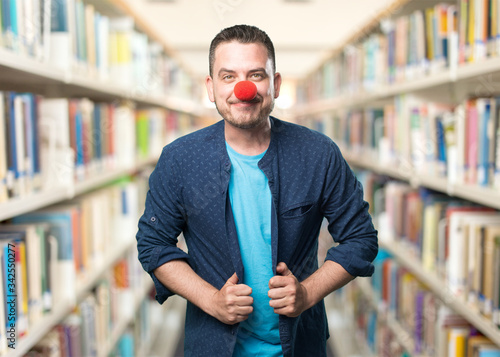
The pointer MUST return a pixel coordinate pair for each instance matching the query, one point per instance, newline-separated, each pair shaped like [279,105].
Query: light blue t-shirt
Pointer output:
[250,198]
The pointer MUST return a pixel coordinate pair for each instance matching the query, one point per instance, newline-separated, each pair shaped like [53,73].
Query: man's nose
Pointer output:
[245,90]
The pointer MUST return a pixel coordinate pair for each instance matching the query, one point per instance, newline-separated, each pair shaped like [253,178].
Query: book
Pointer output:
[485,133]
[90,36]
[31,140]
[73,329]
[496,283]
[489,265]
[457,342]
[488,352]
[3,151]
[33,237]
[88,328]
[61,228]
[56,156]
[10,272]
[60,38]
[472,142]
[463,40]
[121,71]
[474,342]
[458,242]
[102,46]
[430,235]
[13,135]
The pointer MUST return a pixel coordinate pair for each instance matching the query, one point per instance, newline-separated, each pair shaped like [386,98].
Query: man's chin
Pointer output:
[245,120]
[244,124]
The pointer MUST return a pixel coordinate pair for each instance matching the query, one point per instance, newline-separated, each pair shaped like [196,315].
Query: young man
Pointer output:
[249,194]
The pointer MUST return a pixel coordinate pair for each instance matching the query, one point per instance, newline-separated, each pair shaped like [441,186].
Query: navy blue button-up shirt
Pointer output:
[309,181]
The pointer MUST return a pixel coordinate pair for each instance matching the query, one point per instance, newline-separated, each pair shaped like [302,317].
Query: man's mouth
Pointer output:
[253,101]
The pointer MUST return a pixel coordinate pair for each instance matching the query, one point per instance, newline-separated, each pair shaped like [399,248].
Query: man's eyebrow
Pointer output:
[260,69]
[225,70]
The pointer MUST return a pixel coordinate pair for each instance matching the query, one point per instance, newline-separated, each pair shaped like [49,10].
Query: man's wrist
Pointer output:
[307,297]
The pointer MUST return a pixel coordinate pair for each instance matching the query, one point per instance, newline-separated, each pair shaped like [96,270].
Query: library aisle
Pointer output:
[91,91]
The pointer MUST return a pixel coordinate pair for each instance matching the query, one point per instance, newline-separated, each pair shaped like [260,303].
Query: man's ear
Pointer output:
[209,83]
[277,84]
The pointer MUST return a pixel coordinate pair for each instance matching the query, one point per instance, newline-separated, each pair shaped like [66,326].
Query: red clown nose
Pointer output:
[245,90]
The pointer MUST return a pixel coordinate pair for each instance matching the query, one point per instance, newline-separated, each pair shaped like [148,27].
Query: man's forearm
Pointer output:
[231,304]
[328,278]
[181,279]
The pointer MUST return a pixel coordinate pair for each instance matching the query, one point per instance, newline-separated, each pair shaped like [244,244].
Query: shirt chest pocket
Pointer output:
[298,224]
[298,210]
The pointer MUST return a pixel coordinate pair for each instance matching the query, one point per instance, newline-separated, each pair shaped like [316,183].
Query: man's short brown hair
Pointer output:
[242,34]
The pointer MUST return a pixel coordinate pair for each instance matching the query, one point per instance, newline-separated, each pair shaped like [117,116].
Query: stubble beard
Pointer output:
[251,123]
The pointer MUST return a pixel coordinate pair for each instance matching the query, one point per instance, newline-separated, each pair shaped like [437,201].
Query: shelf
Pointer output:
[438,287]
[39,330]
[122,324]
[447,85]
[344,339]
[37,200]
[171,330]
[23,73]
[49,321]
[134,10]
[482,195]
[107,177]
[472,70]
[400,333]
[86,282]
[367,162]
[16,68]
[145,347]
[33,201]
[402,336]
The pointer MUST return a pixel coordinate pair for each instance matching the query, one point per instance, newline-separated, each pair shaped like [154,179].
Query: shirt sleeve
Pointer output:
[162,222]
[349,222]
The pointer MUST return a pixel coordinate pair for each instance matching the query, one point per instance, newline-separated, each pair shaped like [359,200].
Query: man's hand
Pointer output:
[232,303]
[288,296]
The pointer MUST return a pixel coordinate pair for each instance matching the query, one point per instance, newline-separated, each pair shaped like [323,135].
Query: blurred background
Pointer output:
[92,90]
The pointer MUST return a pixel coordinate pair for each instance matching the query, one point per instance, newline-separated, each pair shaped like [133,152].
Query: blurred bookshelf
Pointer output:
[89,96]
[412,100]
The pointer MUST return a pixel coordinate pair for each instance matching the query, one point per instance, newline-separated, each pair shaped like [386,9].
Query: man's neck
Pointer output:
[249,142]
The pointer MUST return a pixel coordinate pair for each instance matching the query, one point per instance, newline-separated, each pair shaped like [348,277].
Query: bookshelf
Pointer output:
[416,61]
[20,205]
[161,96]
[436,285]
[122,324]
[402,336]
[344,340]
[84,286]
[449,84]
[171,328]
[23,73]
[482,195]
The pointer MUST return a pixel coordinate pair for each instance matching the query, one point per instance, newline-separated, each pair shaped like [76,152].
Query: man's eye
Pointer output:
[257,75]
[227,76]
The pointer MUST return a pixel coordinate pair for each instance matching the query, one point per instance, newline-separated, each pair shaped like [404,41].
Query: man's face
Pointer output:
[235,62]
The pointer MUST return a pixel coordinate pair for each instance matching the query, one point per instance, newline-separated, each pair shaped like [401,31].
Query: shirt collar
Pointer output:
[220,143]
